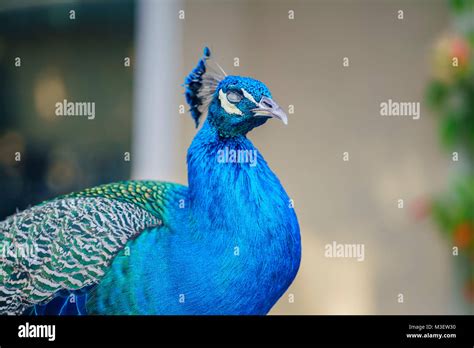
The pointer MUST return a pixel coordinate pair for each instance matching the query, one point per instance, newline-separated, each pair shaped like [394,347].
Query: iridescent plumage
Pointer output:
[228,243]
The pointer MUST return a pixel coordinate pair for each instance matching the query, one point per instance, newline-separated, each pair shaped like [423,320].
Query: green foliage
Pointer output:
[455,207]
[449,131]
[436,94]
[462,5]
[450,95]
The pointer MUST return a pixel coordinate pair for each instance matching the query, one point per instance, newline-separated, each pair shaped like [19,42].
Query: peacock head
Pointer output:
[236,104]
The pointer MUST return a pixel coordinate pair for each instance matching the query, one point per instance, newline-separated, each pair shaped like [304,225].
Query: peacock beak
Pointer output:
[268,108]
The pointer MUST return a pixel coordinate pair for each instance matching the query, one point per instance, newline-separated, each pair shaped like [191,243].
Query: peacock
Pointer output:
[227,244]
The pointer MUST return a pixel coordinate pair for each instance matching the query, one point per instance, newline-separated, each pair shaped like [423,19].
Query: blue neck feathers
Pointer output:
[243,216]
[234,249]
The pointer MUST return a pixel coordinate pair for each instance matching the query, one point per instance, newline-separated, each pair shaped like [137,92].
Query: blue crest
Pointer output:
[200,86]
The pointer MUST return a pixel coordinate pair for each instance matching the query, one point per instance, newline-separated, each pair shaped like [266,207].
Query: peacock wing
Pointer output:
[69,243]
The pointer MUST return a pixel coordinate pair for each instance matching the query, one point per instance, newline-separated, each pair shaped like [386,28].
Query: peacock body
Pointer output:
[228,243]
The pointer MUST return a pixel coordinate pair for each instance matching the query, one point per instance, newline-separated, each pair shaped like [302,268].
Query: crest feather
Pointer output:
[200,86]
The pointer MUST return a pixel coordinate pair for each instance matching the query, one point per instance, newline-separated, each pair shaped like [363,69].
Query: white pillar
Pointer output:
[155,112]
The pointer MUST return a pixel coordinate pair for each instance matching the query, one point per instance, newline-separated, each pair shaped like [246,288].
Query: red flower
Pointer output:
[463,235]
[460,50]
[451,58]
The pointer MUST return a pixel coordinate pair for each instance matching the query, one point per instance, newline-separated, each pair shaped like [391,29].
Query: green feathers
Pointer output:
[76,237]
[148,195]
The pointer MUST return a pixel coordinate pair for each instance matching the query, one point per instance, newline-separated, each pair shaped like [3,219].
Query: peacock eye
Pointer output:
[234,97]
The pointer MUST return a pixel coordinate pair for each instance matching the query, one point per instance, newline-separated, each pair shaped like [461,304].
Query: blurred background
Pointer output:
[130,58]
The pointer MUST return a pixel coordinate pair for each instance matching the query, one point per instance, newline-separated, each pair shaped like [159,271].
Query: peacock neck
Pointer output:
[220,173]
[243,219]
[231,187]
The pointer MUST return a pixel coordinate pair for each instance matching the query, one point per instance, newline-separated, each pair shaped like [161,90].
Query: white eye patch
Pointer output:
[249,96]
[227,105]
